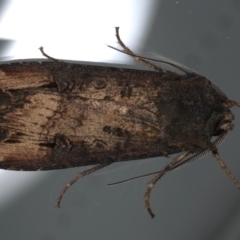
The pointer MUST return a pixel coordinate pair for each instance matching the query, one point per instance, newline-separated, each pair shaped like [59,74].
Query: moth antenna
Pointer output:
[178,66]
[47,56]
[221,93]
[201,154]
[136,58]
[181,164]
[80,175]
[133,178]
[143,60]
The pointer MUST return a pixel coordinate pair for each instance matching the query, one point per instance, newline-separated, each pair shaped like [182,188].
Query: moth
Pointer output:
[56,115]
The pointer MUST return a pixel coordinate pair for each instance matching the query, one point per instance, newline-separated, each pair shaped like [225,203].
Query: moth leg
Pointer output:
[47,56]
[158,177]
[136,58]
[225,168]
[80,175]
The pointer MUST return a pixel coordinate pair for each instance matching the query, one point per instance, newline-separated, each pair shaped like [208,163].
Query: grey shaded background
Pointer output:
[198,201]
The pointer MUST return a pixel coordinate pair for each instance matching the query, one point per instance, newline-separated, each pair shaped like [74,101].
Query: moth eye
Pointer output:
[218,132]
[100,84]
[221,126]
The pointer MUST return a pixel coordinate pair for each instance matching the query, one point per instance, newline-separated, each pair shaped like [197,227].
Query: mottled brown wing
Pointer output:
[59,115]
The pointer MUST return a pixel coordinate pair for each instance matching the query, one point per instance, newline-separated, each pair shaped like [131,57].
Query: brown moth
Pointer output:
[56,115]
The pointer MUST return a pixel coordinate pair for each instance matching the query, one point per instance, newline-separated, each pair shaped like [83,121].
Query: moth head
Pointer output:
[225,124]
